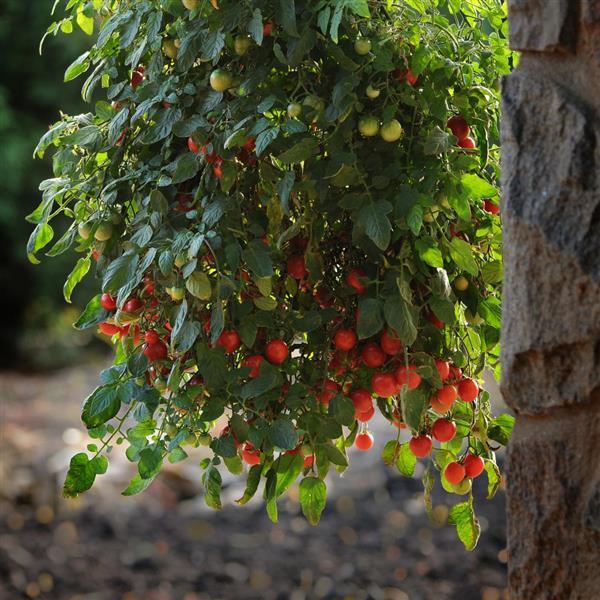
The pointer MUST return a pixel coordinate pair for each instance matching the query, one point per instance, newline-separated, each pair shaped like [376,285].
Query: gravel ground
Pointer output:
[374,540]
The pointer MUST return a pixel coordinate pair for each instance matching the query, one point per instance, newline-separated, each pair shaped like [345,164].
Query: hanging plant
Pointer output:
[291,211]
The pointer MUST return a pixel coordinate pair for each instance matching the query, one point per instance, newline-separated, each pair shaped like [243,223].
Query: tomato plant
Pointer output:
[274,197]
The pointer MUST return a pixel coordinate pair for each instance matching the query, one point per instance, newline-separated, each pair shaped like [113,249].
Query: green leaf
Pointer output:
[92,314]
[257,257]
[288,17]
[283,434]
[399,317]
[443,309]
[150,462]
[137,485]
[491,311]
[77,67]
[82,266]
[82,473]
[370,319]
[212,482]
[335,455]
[438,142]
[41,236]
[414,404]
[255,27]
[467,526]
[100,406]
[313,496]
[478,188]
[198,285]
[494,477]
[406,461]
[251,485]
[342,410]
[187,166]
[268,379]
[500,429]
[119,272]
[288,467]
[429,252]
[462,254]
[299,152]
[373,219]
[224,446]
[390,452]
[264,139]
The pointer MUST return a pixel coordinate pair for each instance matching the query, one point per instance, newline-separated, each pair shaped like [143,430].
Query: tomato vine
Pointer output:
[291,209]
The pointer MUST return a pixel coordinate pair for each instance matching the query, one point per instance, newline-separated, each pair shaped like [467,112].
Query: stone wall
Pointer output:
[551,330]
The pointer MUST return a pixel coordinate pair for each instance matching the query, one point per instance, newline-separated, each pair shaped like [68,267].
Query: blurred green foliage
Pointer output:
[31,95]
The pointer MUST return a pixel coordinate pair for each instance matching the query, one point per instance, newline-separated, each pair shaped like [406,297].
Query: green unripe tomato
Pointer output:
[241,45]
[205,439]
[368,126]
[104,232]
[294,110]
[177,293]
[190,4]
[220,80]
[464,487]
[461,283]
[116,219]
[392,131]
[169,48]
[431,213]
[84,230]
[372,92]
[362,46]
[442,200]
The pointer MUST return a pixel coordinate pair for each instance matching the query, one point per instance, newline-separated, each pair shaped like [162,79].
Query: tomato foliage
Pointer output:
[290,208]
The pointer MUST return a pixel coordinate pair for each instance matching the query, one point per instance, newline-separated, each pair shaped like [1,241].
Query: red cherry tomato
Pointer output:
[345,339]
[108,302]
[109,328]
[468,390]
[250,455]
[372,355]
[296,267]
[384,385]
[156,351]
[308,461]
[469,143]
[443,430]
[354,279]
[329,389]
[490,207]
[137,77]
[365,417]
[362,400]
[133,305]
[193,147]
[420,446]
[230,341]
[151,337]
[459,127]
[253,363]
[390,343]
[408,377]
[454,473]
[446,395]
[276,352]
[364,441]
[474,466]
[443,368]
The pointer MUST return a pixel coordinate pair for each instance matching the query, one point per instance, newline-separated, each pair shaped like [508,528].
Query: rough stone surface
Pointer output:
[542,24]
[551,345]
[553,551]
[551,318]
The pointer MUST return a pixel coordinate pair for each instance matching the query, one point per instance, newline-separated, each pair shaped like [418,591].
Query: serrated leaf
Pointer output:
[92,314]
[373,219]
[406,461]
[283,434]
[462,254]
[198,284]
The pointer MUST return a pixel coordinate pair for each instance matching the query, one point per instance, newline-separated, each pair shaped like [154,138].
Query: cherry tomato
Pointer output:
[276,352]
[364,441]
[420,446]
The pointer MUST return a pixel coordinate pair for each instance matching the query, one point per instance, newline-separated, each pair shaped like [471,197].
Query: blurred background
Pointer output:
[374,541]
